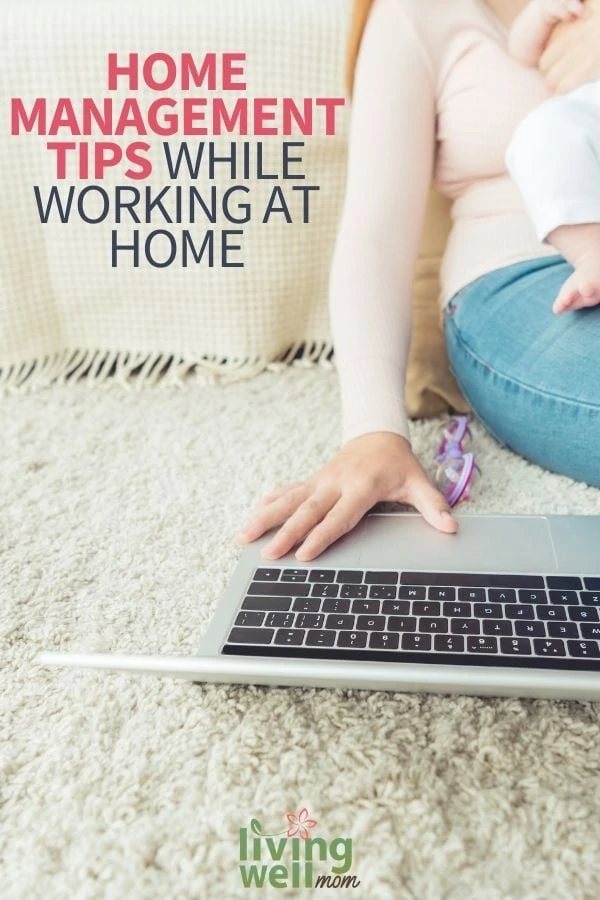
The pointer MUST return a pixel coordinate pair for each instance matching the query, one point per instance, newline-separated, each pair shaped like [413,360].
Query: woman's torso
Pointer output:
[481,96]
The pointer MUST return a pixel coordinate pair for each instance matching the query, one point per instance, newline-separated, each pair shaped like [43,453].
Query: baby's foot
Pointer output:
[582,288]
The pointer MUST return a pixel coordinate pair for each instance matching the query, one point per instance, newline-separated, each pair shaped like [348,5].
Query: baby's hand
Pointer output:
[554,11]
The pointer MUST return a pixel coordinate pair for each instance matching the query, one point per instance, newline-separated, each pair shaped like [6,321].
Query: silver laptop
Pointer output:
[509,606]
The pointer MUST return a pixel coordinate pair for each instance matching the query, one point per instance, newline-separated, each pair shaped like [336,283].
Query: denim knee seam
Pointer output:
[514,381]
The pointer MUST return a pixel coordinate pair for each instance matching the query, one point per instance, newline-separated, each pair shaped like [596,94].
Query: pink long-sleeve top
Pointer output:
[436,97]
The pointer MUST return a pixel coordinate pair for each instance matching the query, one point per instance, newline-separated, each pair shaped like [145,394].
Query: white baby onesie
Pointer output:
[554,158]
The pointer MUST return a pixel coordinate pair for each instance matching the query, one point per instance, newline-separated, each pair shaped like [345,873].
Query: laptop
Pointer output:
[509,606]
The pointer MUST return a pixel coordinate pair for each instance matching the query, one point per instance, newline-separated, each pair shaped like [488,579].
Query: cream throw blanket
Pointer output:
[63,309]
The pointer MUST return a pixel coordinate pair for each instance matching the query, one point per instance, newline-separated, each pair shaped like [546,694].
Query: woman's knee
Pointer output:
[547,423]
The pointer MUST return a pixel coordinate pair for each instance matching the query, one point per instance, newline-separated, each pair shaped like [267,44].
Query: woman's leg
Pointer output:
[532,377]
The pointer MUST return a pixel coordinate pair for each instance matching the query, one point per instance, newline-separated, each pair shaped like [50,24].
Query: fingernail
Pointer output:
[446,515]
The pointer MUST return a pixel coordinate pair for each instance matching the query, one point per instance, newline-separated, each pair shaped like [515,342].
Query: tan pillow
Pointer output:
[430,386]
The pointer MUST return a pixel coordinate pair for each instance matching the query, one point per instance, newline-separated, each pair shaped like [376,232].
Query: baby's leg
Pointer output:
[554,158]
[580,246]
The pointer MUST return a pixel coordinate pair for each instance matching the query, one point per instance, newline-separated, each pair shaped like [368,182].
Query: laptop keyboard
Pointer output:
[531,621]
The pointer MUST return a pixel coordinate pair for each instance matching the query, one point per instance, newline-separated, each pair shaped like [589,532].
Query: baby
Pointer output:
[554,158]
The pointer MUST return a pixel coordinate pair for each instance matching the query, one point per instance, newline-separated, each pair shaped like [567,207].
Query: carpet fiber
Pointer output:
[118,510]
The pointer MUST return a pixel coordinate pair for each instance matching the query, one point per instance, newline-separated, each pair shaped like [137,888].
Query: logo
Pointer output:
[288,858]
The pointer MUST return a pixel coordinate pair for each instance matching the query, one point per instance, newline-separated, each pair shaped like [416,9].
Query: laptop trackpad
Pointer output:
[484,543]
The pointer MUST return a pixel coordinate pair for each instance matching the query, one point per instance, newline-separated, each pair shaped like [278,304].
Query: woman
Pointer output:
[435,94]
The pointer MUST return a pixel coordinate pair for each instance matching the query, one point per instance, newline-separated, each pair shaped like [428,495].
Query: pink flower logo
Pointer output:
[300,824]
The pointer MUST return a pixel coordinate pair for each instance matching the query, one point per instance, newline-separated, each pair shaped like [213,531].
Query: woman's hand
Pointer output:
[316,512]
[572,57]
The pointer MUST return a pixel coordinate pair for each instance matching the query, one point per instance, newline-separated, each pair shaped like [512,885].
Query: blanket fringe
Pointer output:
[142,369]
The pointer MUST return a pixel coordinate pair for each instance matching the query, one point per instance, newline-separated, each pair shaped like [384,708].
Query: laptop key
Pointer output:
[441,593]
[307,605]
[325,590]
[533,597]
[354,590]
[395,607]
[567,598]
[564,582]
[279,620]
[583,648]
[590,598]
[382,591]
[348,576]
[517,581]
[251,635]
[321,575]
[402,623]
[449,643]
[436,625]
[457,609]
[582,613]
[550,613]
[406,592]
[488,610]
[248,618]
[294,575]
[309,620]
[371,623]
[426,608]
[519,611]
[340,623]
[293,636]
[590,630]
[465,626]
[592,584]
[502,595]
[352,639]
[335,606]
[549,648]
[366,606]
[384,640]
[416,642]
[498,627]
[268,604]
[266,575]
[515,646]
[563,630]
[473,595]
[381,577]
[530,629]
[319,638]
[482,645]
[278,589]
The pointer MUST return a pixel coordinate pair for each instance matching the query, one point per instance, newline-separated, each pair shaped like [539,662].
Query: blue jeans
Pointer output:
[530,376]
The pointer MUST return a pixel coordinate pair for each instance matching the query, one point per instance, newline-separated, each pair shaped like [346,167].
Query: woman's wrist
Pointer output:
[380,436]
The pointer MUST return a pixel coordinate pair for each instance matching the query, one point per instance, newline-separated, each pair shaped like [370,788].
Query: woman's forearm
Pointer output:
[391,145]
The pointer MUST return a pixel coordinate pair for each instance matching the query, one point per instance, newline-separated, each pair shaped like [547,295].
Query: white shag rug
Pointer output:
[117,524]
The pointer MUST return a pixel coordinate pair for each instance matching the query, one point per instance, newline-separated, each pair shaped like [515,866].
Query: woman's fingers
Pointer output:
[431,503]
[308,514]
[271,514]
[340,519]
[277,493]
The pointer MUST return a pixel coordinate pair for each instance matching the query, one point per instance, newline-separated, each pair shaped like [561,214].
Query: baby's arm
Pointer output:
[531,30]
